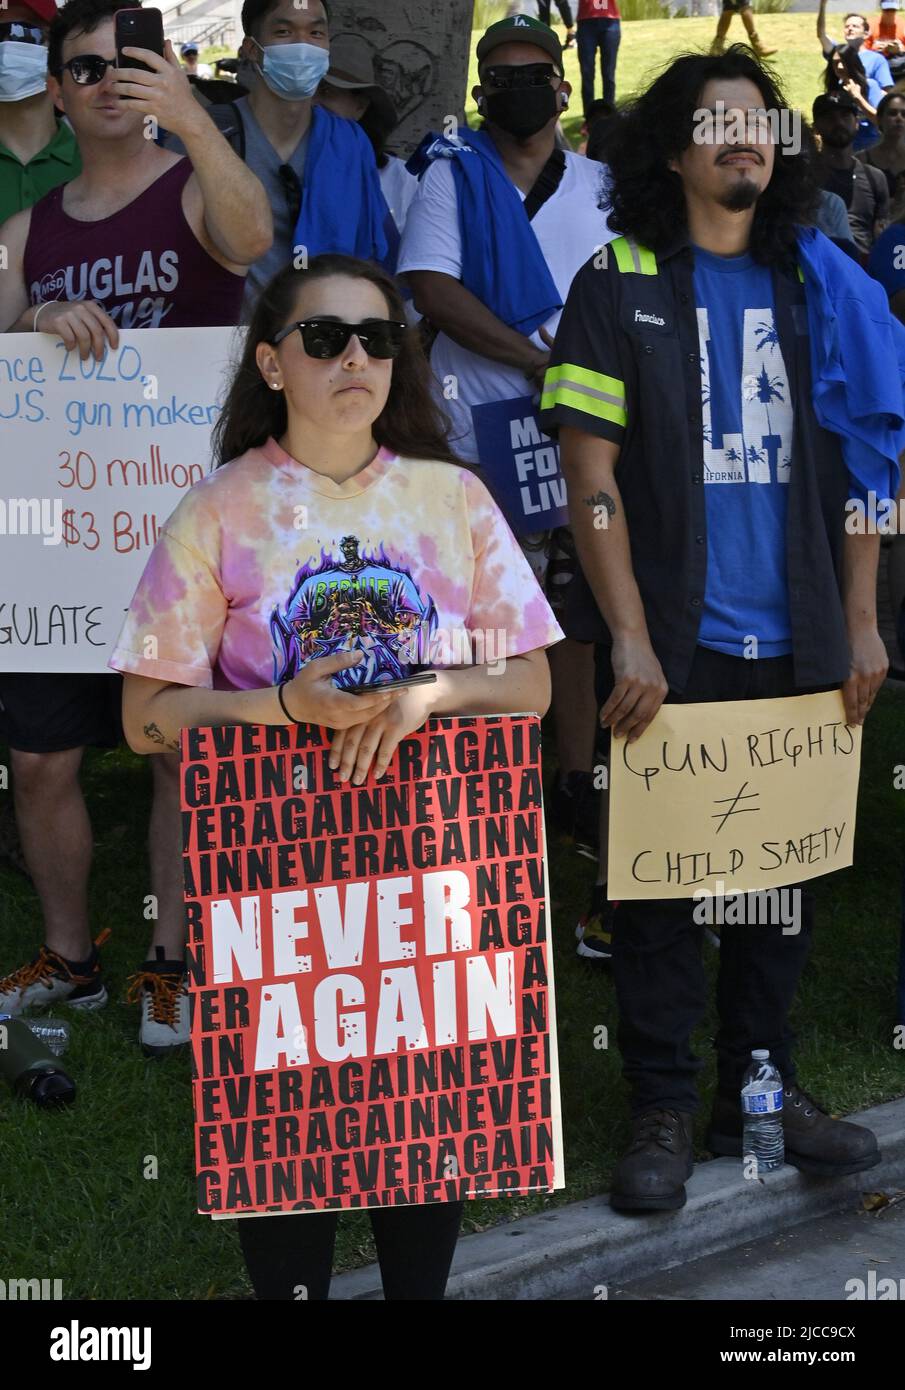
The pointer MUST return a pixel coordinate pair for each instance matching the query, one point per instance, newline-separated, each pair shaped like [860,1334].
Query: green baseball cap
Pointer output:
[521,28]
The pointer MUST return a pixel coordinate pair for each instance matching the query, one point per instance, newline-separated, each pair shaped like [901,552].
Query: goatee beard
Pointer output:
[742,197]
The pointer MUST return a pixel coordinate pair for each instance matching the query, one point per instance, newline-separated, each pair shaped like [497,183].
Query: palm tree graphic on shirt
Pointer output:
[767,336]
[768,453]
[768,388]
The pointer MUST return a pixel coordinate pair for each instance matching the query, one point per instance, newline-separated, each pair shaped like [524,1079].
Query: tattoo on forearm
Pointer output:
[153,732]
[602,499]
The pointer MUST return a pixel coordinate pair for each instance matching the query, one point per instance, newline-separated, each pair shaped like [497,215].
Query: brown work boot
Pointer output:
[814,1141]
[652,1172]
[759,48]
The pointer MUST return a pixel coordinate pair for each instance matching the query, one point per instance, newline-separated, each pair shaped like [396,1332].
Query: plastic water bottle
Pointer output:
[762,1113]
[30,1067]
[53,1032]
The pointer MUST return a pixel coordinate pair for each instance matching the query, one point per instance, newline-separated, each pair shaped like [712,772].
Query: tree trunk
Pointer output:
[421,54]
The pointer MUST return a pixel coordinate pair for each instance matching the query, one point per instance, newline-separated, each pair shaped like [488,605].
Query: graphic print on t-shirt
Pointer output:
[747,439]
[748,421]
[362,602]
[142,284]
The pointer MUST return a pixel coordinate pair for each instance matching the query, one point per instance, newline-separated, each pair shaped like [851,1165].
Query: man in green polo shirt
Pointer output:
[37,152]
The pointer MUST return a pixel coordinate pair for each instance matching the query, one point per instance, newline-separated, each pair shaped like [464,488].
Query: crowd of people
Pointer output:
[623,299]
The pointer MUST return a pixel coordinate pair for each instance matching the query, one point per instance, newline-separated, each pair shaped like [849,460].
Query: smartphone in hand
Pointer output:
[140,28]
[425,678]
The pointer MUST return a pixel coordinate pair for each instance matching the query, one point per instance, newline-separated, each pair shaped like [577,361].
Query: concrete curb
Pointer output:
[572,1250]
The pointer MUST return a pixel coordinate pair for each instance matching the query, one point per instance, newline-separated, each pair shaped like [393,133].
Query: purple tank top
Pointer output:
[143,265]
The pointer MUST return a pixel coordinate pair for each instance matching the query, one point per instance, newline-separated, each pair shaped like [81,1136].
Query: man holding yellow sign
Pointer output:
[714,420]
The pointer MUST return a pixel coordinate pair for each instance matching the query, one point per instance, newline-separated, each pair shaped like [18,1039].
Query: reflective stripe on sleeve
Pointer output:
[594,393]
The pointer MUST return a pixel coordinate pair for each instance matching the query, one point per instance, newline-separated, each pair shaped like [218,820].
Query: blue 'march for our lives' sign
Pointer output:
[522,465]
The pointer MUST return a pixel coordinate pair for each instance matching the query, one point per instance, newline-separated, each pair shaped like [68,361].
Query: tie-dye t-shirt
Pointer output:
[265,565]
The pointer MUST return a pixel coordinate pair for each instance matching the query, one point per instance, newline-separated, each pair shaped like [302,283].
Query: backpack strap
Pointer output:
[548,180]
[228,120]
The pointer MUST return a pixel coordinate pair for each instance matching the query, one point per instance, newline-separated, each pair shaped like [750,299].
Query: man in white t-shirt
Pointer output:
[489,372]
[476,357]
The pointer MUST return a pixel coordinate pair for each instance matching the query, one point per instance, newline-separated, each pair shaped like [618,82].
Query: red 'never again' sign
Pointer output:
[371,976]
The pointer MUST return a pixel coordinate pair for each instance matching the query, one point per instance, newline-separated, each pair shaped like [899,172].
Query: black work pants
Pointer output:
[658,970]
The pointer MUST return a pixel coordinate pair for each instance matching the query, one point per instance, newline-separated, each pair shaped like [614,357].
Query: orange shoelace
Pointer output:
[46,965]
[163,989]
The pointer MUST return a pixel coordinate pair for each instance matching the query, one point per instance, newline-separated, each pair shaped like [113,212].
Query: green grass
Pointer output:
[77,1203]
[649,44]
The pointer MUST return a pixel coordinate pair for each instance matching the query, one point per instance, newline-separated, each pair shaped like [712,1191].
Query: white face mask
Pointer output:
[23,70]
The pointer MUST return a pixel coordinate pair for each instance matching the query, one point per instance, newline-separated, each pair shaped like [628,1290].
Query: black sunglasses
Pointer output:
[325,338]
[519,76]
[292,188]
[89,68]
[22,33]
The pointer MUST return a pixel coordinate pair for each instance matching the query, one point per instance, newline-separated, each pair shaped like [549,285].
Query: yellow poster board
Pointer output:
[746,794]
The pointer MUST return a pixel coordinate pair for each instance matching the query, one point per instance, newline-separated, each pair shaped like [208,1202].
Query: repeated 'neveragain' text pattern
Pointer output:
[370,970]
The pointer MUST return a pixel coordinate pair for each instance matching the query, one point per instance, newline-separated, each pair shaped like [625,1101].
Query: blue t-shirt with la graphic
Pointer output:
[748,421]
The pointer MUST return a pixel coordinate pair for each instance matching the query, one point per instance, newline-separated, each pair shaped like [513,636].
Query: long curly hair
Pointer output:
[411,423]
[648,199]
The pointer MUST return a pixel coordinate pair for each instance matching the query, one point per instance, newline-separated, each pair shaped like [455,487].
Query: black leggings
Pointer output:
[291,1256]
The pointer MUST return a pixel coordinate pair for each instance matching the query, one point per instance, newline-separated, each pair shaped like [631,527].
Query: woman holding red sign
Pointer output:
[336,557]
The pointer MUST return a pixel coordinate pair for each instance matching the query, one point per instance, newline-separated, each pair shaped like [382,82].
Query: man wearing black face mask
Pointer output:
[521,95]
[500,225]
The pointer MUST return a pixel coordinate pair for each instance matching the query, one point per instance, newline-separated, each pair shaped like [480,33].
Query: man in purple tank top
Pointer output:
[142,238]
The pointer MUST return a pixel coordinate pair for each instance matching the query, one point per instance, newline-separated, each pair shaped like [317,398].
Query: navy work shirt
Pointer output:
[626,367]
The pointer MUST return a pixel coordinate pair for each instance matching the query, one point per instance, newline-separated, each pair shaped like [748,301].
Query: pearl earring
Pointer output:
[275,386]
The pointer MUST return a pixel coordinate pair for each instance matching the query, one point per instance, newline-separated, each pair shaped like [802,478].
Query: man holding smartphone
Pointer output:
[186,230]
[142,238]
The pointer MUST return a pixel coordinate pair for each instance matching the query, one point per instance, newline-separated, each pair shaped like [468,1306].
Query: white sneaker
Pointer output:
[162,990]
[50,979]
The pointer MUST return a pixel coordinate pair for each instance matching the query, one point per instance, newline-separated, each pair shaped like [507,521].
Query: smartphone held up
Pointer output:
[138,28]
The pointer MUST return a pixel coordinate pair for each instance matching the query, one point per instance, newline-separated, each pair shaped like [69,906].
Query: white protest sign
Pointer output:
[96,456]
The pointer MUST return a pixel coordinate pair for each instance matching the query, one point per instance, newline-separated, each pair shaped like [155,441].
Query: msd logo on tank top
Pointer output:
[138,286]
